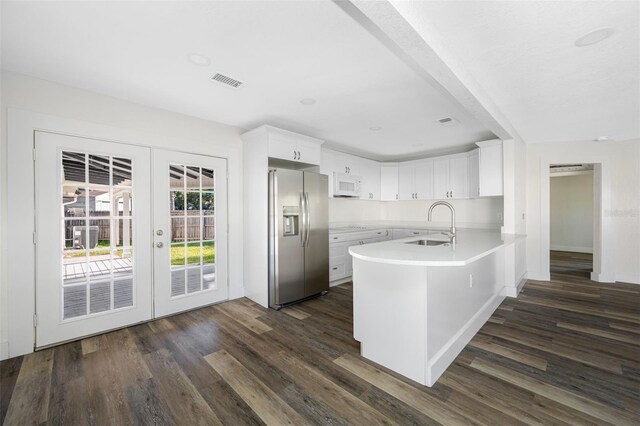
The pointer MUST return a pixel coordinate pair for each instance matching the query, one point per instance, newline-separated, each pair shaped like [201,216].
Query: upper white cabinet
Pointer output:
[389,183]
[370,173]
[473,174]
[474,165]
[450,177]
[415,180]
[286,145]
[490,176]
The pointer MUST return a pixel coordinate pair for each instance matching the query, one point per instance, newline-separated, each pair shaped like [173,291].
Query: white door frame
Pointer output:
[20,262]
[603,253]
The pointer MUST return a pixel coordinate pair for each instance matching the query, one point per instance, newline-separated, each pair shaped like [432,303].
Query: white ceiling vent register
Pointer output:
[448,121]
[224,79]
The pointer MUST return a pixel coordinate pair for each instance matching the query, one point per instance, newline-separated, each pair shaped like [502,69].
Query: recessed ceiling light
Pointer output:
[602,139]
[375,128]
[198,59]
[593,37]
[308,101]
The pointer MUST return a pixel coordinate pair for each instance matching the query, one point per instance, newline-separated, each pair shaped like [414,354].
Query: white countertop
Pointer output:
[471,245]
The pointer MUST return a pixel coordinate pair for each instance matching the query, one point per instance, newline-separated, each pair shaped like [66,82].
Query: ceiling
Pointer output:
[283,51]
[522,54]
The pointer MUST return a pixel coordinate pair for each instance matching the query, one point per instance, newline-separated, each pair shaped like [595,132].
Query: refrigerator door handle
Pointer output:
[307,218]
[303,219]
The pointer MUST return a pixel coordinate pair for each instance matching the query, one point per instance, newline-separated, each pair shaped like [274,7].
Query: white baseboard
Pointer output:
[575,249]
[513,291]
[4,349]
[456,344]
[538,276]
[602,278]
[340,281]
[630,279]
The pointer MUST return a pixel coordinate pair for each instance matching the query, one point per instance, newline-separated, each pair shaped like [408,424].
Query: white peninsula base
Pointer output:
[415,319]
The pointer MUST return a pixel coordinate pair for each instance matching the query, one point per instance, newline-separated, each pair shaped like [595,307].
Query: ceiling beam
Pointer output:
[401,28]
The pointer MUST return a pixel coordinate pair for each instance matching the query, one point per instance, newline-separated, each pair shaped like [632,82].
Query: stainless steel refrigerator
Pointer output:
[298,236]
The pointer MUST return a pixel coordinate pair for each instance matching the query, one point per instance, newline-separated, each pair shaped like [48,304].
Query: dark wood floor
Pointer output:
[563,352]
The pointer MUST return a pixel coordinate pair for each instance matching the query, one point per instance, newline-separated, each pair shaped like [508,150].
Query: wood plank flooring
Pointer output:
[564,352]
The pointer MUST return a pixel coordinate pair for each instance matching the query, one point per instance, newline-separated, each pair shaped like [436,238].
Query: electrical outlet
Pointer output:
[470,280]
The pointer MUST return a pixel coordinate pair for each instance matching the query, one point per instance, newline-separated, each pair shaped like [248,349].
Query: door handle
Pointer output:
[303,218]
[306,203]
[159,245]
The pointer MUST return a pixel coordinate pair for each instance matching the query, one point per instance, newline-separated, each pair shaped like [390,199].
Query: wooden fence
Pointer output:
[192,228]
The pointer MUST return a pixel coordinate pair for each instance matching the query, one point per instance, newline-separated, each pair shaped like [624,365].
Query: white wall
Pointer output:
[477,213]
[620,176]
[164,127]
[572,213]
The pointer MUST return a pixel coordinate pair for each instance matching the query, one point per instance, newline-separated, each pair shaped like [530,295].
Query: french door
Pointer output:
[190,231]
[113,249]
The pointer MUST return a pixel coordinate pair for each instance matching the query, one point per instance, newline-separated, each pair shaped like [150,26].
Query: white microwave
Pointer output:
[346,185]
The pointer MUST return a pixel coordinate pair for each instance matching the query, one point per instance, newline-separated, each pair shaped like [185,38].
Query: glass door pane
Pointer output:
[192,207]
[92,272]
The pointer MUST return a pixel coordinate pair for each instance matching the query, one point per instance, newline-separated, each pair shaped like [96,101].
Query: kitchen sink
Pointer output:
[428,242]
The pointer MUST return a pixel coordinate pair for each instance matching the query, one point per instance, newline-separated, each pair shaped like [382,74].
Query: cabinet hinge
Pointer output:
[34,237]
[35,320]
[33,154]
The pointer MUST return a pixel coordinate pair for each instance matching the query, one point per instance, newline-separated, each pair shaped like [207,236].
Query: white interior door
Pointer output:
[190,231]
[93,254]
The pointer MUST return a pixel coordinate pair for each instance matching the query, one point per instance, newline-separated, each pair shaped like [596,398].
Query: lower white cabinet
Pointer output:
[340,261]
[404,233]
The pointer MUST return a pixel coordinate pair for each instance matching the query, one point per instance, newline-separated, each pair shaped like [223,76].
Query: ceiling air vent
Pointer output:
[221,78]
[447,121]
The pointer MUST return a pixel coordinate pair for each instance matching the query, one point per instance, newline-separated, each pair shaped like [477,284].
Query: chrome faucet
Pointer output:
[453,218]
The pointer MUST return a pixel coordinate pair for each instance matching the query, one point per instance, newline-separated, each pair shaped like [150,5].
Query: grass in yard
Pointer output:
[193,253]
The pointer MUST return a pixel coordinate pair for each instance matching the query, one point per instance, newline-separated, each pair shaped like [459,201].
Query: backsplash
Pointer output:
[472,213]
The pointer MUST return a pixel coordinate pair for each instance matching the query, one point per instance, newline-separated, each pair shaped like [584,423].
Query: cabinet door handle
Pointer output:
[294,155]
[416,195]
[396,196]
[334,268]
[451,194]
[299,155]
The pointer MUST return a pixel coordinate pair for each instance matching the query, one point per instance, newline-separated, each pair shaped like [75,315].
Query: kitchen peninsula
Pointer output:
[418,301]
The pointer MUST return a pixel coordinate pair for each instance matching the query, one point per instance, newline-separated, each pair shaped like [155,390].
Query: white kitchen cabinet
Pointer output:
[474,170]
[340,261]
[290,146]
[415,181]
[404,233]
[406,182]
[370,173]
[389,183]
[423,178]
[450,177]
[490,174]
